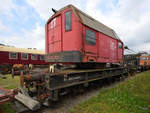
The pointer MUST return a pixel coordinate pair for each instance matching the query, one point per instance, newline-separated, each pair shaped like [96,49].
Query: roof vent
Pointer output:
[54,10]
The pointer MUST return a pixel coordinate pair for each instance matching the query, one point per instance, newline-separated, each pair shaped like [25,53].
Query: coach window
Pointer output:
[120,45]
[13,55]
[24,56]
[90,37]
[68,21]
[41,57]
[34,57]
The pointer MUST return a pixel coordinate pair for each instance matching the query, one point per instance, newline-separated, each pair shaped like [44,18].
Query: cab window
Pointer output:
[120,45]
[90,37]
[68,21]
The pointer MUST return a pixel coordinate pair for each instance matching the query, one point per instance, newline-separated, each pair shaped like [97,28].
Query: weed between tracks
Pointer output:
[131,96]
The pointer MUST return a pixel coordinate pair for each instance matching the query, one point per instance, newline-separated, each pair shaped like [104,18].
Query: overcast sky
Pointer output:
[22,22]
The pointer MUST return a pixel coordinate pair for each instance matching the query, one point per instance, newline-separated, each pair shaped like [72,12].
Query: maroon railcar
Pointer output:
[13,55]
[74,37]
[10,56]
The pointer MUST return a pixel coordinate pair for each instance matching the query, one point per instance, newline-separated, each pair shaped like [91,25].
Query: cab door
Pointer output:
[54,35]
[90,45]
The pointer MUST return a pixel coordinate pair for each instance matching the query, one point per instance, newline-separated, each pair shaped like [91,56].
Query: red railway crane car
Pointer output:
[74,37]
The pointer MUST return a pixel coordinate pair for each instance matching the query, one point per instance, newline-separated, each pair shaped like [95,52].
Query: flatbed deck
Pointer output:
[71,71]
[50,86]
[67,78]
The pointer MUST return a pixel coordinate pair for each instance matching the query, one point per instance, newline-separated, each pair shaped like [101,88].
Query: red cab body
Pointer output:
[73,36]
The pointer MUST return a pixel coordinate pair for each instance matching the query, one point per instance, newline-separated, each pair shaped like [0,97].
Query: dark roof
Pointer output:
[90,22]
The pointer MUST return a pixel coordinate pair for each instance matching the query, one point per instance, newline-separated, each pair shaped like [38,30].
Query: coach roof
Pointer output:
[90,22]
[21,50]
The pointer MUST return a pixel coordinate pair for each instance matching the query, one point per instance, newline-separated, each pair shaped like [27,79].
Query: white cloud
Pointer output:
[6,6]
[29,39]
[2,27]
[43,7]
[36,37]
[129,18]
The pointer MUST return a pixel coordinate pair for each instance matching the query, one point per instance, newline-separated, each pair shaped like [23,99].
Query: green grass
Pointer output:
[7,108]
[131,96]
[8,83]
